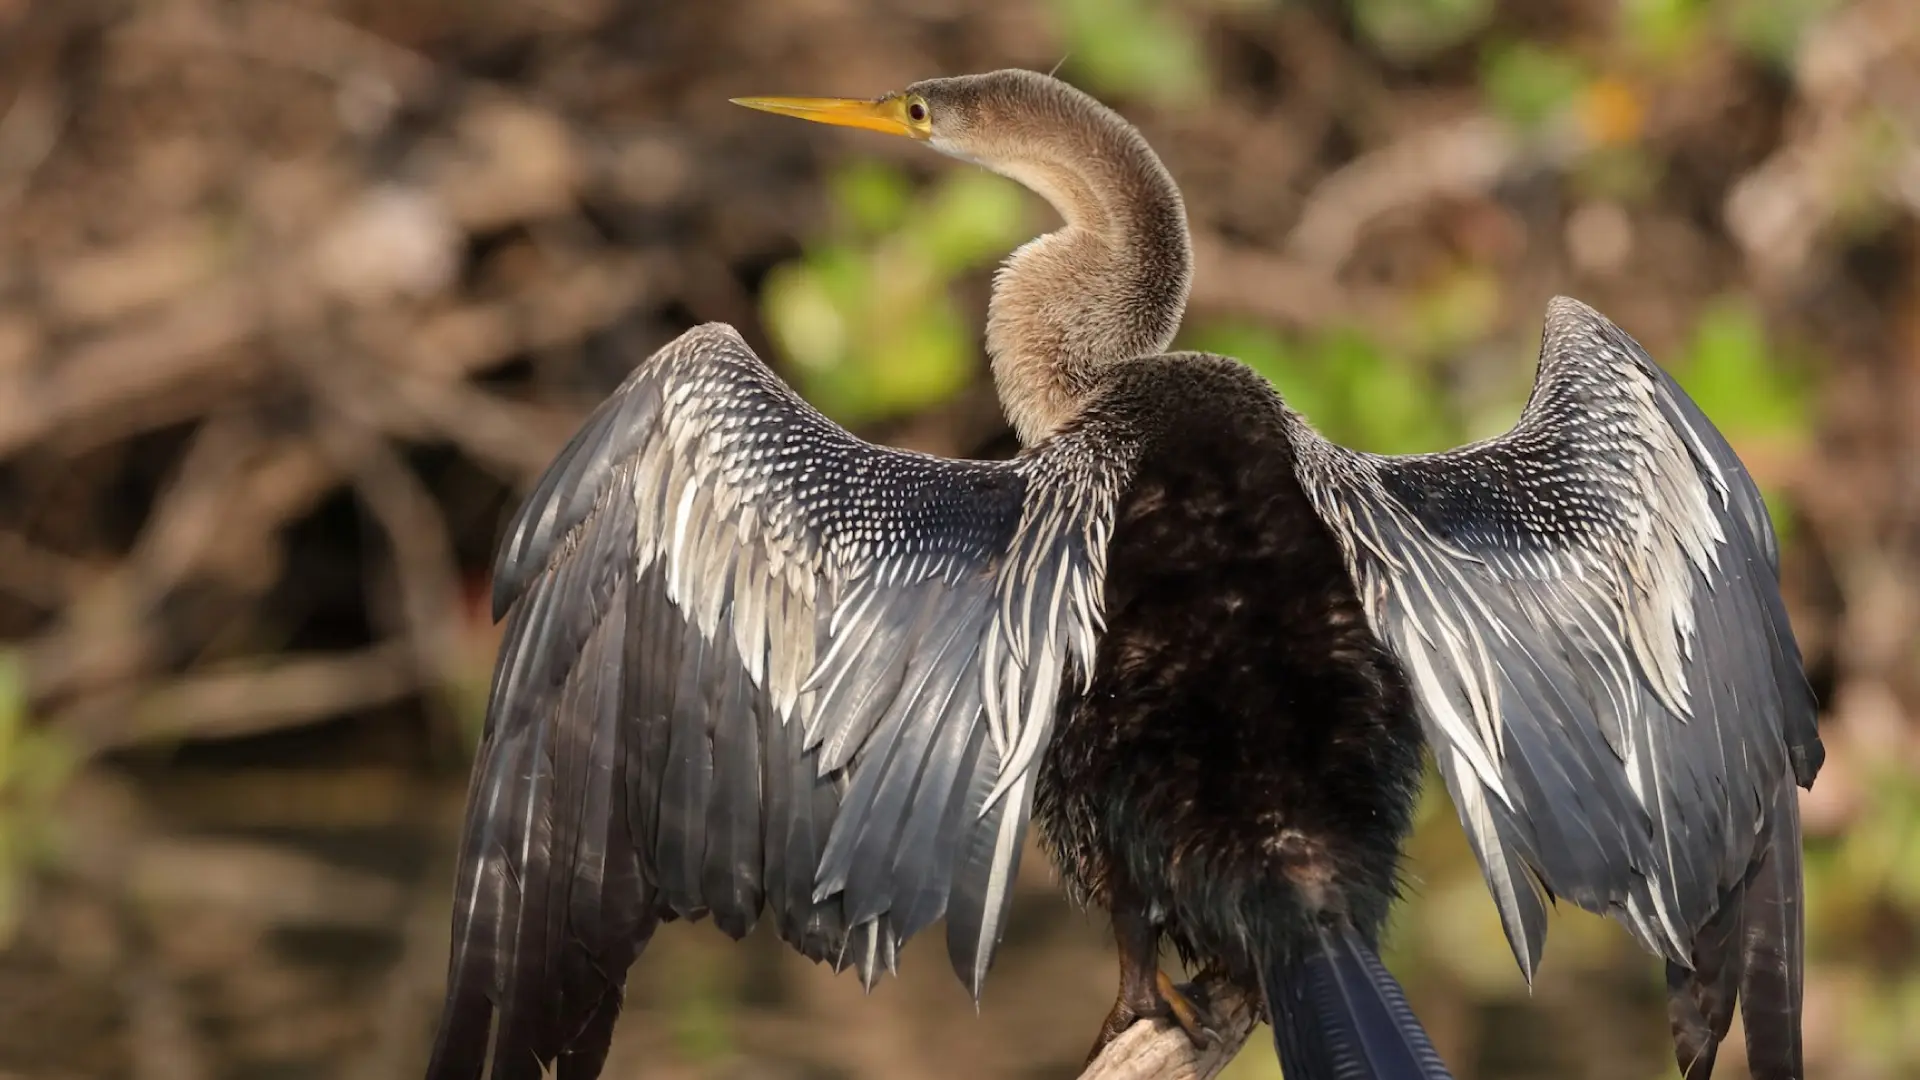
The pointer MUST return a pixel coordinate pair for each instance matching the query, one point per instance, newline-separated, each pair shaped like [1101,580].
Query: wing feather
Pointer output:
[732,879]
[751,662]
[1588,612]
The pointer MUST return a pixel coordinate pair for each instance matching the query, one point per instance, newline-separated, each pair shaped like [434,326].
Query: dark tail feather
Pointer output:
[1700,1000]
[1771,938]
[1751,947]
[1339,1015]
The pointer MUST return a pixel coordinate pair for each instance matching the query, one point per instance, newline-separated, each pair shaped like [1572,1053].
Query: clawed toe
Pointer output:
[1192,1016]
[1181,1004]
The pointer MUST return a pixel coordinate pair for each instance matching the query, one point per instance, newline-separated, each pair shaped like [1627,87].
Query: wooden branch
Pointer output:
[1158,1050]
[425,572]
[135,378]
[38,575]
[1237,279]
[244,698]
[1465,158]
[225,527]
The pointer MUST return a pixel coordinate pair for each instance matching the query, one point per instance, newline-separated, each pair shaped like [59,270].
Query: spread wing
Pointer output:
[1587,609]
[754,662]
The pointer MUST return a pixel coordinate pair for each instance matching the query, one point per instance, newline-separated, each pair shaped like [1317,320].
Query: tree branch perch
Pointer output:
[1158,1050]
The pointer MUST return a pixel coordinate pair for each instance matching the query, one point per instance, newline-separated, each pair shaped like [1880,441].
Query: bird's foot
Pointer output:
[1189,1010]
[1163,1001]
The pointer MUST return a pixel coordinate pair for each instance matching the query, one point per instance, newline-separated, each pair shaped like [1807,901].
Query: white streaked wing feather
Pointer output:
[1587,546]
[803,565]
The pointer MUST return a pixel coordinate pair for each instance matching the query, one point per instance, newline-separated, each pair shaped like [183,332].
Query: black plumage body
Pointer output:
[1246,758]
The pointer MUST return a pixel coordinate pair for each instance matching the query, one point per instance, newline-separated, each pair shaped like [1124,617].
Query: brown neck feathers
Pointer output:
[1107,287]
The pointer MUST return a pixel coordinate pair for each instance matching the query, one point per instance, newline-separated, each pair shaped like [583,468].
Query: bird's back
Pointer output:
[1239,702]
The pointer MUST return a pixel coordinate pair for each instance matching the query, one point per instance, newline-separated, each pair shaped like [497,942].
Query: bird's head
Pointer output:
[995,119]
[1110,285]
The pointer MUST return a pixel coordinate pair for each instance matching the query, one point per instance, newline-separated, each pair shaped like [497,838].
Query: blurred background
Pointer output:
[297,296]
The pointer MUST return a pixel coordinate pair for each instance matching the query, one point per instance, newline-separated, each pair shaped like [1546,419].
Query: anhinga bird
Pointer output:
[753,662]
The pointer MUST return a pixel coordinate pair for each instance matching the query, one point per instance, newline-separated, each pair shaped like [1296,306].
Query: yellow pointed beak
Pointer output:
[887,115]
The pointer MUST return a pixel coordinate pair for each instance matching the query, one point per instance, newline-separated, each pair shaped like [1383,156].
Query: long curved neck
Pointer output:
[1107,287]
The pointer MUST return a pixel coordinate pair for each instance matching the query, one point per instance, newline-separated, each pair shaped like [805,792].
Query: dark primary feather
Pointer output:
[751,662]
[1588,610]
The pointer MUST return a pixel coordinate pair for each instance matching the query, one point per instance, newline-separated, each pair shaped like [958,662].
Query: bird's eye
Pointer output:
[917,111]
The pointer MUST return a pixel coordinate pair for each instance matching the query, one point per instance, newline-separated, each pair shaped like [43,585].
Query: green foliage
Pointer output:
[33,767]
[1670,31]
[1344,383]
[1876,856]
[1752,392]
[1530,84]
[1773,29]
[702,1019]
[1625,174]
[1377,390]
[1413,29]
[1456,311]
[867,316]
[1663,29]
[1135,48]
[1746,386]
[1863,895]
[873,197]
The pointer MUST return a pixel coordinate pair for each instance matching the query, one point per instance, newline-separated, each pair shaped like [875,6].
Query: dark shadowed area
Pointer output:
[298,296]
